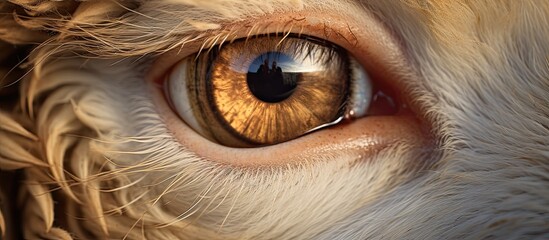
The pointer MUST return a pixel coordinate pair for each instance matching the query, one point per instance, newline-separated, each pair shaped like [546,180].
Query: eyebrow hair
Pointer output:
[128,28]
[118,29]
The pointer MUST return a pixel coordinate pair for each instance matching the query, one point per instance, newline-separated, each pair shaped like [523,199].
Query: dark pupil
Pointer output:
[269,78]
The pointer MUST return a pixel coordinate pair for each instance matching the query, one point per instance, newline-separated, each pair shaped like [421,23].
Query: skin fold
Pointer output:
[91,149]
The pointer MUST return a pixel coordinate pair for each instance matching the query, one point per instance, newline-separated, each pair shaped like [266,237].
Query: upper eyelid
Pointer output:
[329,27]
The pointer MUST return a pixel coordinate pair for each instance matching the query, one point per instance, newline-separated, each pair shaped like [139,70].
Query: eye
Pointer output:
[370,106]
[269,89]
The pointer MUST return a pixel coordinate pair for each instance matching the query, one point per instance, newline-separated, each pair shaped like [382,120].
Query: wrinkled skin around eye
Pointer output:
[89,148]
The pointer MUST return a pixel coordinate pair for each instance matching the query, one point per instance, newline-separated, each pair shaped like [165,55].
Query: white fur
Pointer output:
[90,145]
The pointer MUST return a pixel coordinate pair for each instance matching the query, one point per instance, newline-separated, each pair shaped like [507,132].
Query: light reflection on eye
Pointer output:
[269,89]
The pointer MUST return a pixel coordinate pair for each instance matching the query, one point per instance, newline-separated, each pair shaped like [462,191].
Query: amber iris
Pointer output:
[266,90]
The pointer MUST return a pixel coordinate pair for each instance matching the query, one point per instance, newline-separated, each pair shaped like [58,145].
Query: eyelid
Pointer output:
[375,48]
[354,140]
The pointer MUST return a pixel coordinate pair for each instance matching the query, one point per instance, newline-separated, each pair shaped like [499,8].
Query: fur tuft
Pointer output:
[90,157]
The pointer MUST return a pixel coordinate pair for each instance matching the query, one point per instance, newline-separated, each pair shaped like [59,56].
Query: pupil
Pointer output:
[270,78]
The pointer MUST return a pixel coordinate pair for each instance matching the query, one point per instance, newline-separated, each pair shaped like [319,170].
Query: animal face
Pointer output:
[171,120]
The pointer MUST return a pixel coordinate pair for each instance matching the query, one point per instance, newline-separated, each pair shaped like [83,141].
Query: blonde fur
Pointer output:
[92,159]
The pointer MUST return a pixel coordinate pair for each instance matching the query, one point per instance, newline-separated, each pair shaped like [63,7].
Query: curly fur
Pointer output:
[85,155]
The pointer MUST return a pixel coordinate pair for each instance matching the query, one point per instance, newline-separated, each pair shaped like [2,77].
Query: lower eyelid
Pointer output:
[362,137]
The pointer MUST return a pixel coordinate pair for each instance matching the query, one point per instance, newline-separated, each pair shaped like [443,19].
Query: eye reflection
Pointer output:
[269,82]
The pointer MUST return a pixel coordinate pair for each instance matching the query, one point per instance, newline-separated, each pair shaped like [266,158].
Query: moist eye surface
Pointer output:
[265,90]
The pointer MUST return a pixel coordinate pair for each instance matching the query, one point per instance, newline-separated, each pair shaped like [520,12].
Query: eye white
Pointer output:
[361,91]
[177,92]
